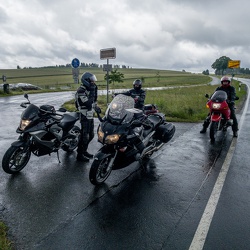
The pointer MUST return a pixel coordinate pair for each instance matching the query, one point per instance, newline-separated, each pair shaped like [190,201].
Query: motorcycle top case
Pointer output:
[150,109]
[165,132]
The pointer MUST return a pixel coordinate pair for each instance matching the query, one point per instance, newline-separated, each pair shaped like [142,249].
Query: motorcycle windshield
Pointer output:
[30,112]
[219,96]
[118,109]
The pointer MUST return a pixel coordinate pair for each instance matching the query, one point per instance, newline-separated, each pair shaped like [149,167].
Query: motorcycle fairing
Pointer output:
[101,155]
[216,117]
[31,112]
[67,122]
[37,127]
[19,143]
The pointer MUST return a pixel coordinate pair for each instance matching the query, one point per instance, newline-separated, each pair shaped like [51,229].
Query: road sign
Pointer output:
[107,67]
[108,53]
[234,64]
[75,63]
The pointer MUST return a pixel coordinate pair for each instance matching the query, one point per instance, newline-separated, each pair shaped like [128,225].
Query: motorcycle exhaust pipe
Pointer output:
[154,149]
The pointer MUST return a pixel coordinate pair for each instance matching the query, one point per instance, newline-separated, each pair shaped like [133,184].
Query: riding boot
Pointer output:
[235,134]
[81,157]
[87,154]
[204,130]
[205,125]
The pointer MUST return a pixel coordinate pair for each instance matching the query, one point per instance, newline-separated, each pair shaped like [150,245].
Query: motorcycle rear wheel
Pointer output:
[72,142]
[100,171]
[213,130]
[15,159]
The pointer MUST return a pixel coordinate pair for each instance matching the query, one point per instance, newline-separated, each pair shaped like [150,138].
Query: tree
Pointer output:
[220,64]
[205,72]
[115,76]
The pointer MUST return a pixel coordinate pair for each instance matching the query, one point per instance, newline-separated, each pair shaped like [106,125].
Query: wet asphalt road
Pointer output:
[54,206]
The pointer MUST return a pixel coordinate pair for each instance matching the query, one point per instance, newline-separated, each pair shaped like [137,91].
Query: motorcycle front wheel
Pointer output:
[100,171]
[213,130]
[71,143]
[15,159]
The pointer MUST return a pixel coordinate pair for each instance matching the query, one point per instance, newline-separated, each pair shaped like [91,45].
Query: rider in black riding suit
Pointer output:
[137,93]
[85,101]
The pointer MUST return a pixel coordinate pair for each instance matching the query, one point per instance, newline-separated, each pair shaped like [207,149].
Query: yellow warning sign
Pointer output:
[234,64]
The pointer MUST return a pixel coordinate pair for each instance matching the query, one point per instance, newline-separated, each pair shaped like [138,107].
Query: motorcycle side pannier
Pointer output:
[165,132]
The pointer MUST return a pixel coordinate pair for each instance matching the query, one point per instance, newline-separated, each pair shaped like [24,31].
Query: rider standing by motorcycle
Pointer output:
[85,102]
[137,93]
[230,90]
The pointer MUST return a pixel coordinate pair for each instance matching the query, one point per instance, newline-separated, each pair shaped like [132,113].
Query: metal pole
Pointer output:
[107,83]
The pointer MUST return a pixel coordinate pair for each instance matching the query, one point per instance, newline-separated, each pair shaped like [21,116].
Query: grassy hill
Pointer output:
[60,78]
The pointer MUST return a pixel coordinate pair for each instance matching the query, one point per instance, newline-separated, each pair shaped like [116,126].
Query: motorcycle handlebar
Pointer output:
[24,104]
[99,117]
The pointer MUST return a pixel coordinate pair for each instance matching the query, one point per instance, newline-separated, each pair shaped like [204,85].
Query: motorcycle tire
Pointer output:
[72,141]
[98,172]
[213,130]
[15,159]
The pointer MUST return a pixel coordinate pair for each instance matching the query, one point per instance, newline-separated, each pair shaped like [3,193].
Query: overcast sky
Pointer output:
[160,34]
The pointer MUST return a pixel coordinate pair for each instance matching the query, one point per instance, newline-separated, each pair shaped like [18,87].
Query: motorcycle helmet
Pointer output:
[225,81]
[87,79]
[137,84]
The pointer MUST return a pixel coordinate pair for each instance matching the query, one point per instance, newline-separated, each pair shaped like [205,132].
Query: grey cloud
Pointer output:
[167,34]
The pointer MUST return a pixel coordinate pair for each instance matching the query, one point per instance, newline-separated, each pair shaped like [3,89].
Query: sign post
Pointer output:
[75,69]
[107,54]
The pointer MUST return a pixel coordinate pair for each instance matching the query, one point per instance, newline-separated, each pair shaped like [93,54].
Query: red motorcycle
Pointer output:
[219,113]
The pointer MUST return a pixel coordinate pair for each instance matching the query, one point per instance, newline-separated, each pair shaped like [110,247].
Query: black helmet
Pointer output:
[137,84]
[88,78]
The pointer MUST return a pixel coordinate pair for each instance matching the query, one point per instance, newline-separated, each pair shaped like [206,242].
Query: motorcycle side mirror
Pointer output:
[26,96]
[207,95]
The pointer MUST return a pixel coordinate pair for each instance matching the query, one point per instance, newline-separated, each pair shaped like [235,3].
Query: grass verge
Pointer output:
[5,244]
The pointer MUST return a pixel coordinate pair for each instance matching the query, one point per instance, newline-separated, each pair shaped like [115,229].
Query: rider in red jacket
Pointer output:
[230,90]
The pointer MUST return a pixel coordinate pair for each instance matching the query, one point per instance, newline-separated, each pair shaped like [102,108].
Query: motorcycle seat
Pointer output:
[155,119]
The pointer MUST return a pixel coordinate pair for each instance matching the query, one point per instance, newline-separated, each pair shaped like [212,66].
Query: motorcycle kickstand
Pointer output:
[142,162]
[58,157]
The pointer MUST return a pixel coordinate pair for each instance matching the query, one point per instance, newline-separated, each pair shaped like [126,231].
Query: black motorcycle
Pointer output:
[122,132]
[43,130]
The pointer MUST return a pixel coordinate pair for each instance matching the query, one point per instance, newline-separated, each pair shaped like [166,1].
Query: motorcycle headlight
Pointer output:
[111,139]
[100,134]
[24,124]
[216,105]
